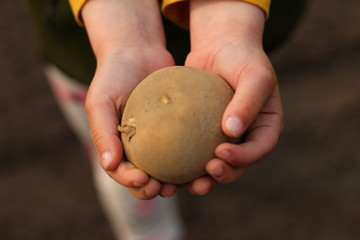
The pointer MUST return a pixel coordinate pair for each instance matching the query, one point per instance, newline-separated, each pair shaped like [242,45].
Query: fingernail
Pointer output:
[234,126]
[218,172]
[137,184]
[164,196]
[224,155]
[106,159]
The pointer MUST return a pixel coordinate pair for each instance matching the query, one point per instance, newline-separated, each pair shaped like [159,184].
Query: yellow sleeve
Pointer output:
[76,6]
[177,11]
[263,4]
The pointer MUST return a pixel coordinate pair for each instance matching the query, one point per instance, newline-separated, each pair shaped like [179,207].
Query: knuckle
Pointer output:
[266,72]
[224,179]
[88,102]
[140,193]
[97,137]
[268,76]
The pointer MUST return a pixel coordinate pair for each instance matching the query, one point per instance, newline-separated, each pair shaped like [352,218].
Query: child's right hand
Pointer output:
[128,41]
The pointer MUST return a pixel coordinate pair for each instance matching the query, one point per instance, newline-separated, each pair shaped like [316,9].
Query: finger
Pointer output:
[259,142]
[149,191]
[201,185]
[253,89]
[168,190]
[103,120]
[128,175]
[223,172]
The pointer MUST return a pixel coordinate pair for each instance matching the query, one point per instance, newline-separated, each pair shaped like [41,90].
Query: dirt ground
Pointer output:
[308,188]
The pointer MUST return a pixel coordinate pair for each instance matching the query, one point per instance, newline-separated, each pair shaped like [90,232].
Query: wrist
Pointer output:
[113,25]
[220,21]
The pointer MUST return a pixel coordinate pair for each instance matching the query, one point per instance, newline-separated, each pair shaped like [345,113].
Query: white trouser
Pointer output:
[130,218]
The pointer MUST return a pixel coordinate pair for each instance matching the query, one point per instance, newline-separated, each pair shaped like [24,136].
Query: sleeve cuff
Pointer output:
[263,4]
[76,6]
[177,11]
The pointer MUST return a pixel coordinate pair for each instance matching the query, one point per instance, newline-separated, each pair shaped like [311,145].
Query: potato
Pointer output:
[171,123]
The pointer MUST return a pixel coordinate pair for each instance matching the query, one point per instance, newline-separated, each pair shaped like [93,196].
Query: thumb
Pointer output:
[254,86]
[103,120]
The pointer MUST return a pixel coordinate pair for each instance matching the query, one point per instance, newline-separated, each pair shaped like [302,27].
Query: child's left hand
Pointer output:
[255,112]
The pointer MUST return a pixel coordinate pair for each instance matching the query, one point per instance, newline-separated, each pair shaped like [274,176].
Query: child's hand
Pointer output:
[116,76]
[226,39]
[128,41]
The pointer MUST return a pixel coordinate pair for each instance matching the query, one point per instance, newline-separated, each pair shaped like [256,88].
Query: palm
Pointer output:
[256,102]
[116,77]
[121,72]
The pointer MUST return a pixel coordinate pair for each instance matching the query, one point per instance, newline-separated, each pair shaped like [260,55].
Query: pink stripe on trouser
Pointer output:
[130,218]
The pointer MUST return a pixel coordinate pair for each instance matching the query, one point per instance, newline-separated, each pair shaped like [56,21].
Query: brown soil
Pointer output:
[308,188]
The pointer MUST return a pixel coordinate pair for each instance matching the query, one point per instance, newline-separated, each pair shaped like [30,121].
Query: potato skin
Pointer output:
[178,112]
